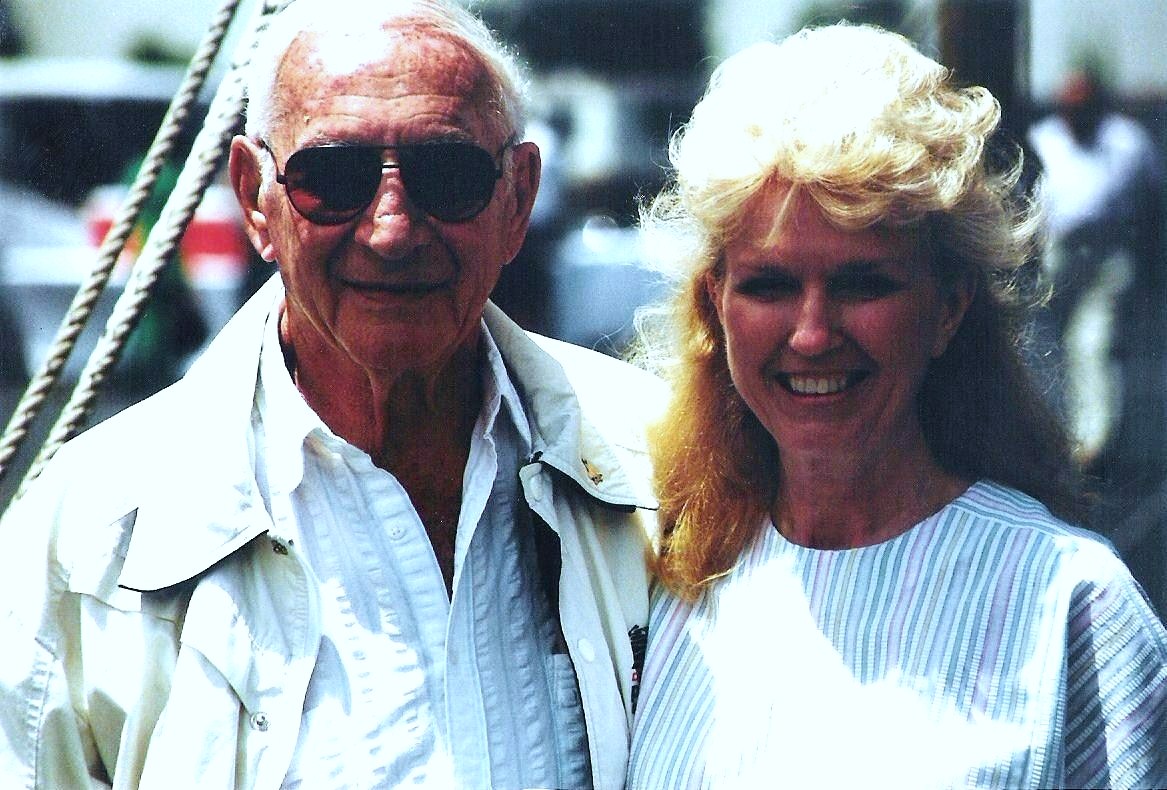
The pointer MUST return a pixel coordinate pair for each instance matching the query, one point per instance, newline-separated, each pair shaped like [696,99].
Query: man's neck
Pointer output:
[416,425]
[392,414]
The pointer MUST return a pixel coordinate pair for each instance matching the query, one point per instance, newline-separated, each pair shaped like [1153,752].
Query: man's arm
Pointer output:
[45,740]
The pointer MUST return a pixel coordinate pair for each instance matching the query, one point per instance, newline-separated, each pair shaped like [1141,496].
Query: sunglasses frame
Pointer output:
[341,218]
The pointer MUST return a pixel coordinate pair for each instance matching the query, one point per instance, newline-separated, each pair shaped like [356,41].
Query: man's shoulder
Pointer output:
[122,453]
[167,435]
[609,390]
[591,367]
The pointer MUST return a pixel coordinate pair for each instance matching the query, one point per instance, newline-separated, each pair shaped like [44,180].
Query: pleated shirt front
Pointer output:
[413,687]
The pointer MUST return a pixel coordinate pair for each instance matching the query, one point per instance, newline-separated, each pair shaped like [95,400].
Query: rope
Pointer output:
[84,302]
[205,159]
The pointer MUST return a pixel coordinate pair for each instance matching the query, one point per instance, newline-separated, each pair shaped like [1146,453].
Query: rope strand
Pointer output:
[205,158]
[81,308]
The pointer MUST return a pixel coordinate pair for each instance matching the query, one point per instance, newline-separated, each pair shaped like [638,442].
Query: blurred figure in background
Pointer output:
[1102,189]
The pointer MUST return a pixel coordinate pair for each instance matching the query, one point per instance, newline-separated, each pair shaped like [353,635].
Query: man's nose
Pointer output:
[392,224]
[814,331]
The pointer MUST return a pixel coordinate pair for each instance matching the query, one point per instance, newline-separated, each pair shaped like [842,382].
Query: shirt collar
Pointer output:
[556,404]
[499,391]
[284,419]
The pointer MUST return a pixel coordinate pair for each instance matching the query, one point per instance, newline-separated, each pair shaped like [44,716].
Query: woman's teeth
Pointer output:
[817,385]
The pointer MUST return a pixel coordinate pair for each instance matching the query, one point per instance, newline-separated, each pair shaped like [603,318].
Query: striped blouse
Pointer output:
[991,645]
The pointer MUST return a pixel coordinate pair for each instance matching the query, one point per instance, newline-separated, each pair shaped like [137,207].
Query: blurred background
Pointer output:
[84,85]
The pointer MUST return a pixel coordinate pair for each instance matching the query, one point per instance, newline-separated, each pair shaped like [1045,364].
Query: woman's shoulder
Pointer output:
[1008,516]
[998,504]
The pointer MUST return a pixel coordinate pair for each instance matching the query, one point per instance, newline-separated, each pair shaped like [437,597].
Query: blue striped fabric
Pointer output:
[989,646]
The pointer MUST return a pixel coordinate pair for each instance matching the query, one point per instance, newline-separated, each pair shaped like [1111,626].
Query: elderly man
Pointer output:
[378,535]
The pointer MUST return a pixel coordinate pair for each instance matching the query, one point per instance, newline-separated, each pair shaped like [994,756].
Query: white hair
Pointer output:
[507,80]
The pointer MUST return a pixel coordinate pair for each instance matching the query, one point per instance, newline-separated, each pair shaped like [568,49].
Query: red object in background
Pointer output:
[213,245]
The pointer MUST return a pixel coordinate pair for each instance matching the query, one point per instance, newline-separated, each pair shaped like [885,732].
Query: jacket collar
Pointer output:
[208,506]
[564,437]
[191,517]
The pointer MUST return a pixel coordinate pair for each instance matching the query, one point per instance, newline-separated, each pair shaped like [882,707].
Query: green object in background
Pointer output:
[172,326]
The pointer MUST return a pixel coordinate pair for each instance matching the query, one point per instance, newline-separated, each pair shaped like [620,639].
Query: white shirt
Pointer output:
[990,646]
[409,686]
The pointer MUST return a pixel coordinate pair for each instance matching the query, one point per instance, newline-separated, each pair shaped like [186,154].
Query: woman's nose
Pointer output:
[814,331]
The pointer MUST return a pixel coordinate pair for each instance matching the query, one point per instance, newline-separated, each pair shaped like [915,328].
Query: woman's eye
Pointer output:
[767,286]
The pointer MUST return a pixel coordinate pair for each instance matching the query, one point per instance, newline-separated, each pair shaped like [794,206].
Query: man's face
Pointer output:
[393,289]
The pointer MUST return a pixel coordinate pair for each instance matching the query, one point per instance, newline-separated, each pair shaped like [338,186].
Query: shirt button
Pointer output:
[278,548]
[259,721]
[586,651]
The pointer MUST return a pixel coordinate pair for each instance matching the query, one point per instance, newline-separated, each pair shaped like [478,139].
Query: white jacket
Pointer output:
[155,635]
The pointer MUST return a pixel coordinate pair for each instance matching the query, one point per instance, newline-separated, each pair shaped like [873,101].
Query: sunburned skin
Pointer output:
[382,314]
[829,334]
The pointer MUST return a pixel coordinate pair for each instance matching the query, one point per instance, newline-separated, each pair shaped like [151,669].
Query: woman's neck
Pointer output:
[846,503]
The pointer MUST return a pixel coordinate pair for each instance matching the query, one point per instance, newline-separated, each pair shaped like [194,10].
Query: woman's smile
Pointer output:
[829,332]
[819,383]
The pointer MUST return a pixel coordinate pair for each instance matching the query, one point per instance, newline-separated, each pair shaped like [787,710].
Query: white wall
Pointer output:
[107,28]
[1131,32]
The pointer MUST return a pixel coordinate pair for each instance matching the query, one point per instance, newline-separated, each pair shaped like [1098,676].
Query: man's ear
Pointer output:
[527,167]
[244,170]
[956,303]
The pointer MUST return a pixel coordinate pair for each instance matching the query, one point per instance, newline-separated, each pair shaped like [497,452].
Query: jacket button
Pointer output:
[259,721]
[586,651]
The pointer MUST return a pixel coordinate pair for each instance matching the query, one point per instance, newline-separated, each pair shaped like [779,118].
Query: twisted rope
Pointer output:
[126,218]
[206,156]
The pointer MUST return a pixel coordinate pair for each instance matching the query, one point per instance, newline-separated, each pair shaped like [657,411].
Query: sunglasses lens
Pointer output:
[331,185]
[450,181]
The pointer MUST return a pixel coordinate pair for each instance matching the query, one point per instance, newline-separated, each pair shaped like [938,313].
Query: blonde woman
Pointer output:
[868,574]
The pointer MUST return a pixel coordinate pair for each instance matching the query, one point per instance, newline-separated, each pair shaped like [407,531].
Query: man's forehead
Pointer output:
[400,48]
[405,75]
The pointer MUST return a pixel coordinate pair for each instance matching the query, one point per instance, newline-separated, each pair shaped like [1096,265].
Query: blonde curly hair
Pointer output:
[876,134]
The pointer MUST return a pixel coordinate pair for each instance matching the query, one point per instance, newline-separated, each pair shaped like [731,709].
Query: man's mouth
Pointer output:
[821,384]
[404,277]
[403,287]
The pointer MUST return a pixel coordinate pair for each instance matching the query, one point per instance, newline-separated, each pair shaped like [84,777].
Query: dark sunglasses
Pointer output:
[333,184]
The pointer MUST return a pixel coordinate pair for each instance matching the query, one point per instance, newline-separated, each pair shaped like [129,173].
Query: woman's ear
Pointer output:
[246,174]
[713,285]
[955,306]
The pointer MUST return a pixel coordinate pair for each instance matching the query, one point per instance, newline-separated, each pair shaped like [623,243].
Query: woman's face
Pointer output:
[829,332]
